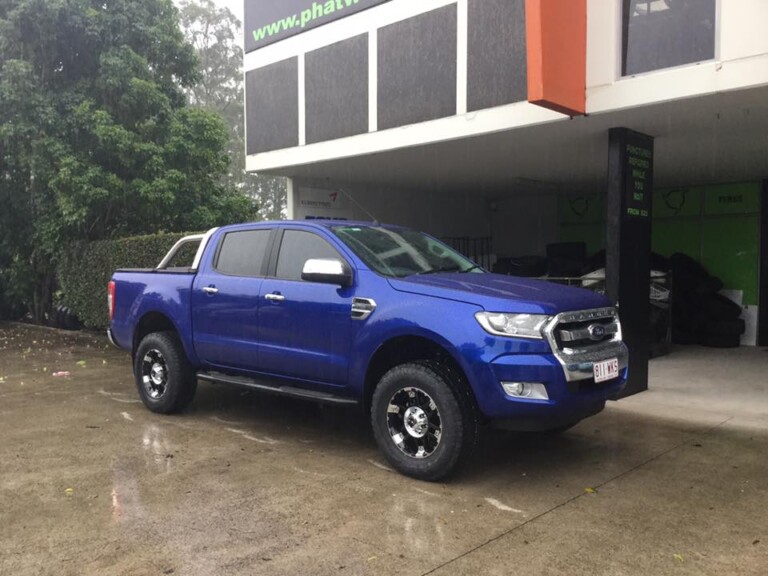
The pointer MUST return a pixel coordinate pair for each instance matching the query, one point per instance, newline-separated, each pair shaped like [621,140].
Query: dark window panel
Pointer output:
[337,90]
[497,65]
[417,69]
[296,248]
[242,253]
[272,106]
[660,34]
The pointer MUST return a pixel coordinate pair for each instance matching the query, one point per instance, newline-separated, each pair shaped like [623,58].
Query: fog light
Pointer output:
[534,390]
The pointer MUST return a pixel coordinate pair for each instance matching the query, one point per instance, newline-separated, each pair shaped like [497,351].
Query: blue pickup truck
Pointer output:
[383,317]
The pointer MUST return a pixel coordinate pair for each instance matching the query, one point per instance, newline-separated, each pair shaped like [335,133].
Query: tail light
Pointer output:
[111,299]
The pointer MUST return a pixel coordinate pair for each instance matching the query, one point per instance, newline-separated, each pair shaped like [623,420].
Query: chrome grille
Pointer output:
[579,339]
[584,328]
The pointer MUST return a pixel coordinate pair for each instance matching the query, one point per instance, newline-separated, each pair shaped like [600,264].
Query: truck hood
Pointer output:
[497,293]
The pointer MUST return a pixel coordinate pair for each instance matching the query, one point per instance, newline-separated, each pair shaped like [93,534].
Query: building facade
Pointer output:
[492,119]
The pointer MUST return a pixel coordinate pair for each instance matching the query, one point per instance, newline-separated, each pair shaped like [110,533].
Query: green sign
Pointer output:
[268,21]
[742,198]
[639,186]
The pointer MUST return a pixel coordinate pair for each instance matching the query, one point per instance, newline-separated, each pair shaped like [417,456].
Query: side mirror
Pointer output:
[327,271]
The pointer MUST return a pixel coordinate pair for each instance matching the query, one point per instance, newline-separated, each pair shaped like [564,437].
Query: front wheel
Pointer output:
[423,421]
[164,377]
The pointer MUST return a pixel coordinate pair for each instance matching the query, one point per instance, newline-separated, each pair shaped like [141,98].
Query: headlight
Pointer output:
[520,325]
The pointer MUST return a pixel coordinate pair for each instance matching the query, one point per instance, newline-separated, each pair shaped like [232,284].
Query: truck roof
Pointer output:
[329,223]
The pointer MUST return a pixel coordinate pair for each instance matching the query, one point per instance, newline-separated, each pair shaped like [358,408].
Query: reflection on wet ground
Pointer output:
[92,483]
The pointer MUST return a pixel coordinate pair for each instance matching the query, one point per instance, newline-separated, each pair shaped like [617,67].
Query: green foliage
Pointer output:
[86,268]
[214,31]
[96,139]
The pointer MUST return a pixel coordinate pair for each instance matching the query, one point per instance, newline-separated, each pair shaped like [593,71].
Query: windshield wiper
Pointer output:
[436,270]
[475,267]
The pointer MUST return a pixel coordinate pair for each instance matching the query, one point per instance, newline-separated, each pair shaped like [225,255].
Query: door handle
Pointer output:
[275,297]
[211,290]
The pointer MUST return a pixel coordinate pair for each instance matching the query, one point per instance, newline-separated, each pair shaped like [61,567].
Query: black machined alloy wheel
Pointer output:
[154,374]
[414,422]
[423,419]
[165,379]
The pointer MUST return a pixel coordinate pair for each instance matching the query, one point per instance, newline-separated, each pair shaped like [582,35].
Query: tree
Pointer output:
[96,137]
[214,33]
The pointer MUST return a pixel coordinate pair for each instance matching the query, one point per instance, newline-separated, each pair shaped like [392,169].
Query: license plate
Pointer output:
[606,370]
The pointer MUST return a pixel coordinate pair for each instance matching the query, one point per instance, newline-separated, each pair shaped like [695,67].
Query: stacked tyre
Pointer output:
[700,314]
[64,317]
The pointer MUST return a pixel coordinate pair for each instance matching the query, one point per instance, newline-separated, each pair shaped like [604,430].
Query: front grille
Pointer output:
[580,339]
[578,334]
[584,329]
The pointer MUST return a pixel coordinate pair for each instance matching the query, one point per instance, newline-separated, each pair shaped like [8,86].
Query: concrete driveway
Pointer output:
[671,481]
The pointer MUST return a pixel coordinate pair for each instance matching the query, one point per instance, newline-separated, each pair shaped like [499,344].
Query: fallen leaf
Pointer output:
[69,491]
[590,490]
[81,363]
[678,557]
[372,558]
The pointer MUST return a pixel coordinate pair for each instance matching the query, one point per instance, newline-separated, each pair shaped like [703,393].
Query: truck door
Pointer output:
[225,300]
[304,327]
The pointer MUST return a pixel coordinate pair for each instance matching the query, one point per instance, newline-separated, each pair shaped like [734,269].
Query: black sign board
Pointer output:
[628,244]
[268,21]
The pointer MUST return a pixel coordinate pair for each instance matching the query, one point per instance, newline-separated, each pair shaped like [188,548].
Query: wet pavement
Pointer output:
[671,481]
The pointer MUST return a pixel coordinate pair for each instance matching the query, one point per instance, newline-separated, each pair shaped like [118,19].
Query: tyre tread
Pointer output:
[180,394]
[437,373]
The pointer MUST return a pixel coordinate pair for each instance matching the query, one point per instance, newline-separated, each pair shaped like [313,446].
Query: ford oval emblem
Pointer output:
[596,331]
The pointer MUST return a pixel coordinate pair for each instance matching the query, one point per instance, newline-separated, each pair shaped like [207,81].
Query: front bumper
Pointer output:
[579,364]
[572,391]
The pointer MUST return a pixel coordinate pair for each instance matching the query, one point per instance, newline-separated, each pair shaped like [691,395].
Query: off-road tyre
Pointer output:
[164,377]
[435,398]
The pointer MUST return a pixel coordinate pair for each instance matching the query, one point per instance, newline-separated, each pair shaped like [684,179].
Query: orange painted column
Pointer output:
[557,54]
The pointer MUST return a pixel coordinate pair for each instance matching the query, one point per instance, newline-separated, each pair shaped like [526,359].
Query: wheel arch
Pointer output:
[406,348]
[155,321]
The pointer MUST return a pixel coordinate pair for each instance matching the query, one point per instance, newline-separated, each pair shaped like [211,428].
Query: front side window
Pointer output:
[400,252]
[242,253]
[296,248]
[664,33]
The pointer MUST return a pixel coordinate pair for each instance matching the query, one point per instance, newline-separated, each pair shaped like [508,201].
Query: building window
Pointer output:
[664,33]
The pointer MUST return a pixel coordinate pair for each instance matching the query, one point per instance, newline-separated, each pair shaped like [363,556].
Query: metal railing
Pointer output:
[477,249]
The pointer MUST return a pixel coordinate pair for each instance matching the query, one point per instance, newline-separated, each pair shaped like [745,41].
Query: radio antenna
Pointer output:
[371,216]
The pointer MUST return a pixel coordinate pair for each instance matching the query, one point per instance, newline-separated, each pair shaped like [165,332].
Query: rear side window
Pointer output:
[243,253]
[296,248]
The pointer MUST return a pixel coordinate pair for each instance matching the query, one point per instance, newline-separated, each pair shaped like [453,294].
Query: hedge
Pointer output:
[86,268]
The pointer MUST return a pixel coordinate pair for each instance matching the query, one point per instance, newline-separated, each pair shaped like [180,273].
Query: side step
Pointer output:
[276,388]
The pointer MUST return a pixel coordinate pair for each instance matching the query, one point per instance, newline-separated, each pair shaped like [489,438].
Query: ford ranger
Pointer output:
[430,345]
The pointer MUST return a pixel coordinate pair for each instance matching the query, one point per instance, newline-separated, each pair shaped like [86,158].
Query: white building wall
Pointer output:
[439,214]
[741,59]
[743,29]
[741,62]
[520,223]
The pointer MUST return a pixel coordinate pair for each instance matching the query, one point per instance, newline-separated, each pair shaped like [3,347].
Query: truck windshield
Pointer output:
[400,252]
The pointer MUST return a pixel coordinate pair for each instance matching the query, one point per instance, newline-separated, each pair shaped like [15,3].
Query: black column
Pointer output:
[628,244]
[762,321]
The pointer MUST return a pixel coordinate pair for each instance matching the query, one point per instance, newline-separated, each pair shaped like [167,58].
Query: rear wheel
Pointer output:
[164,377]
[423,420]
